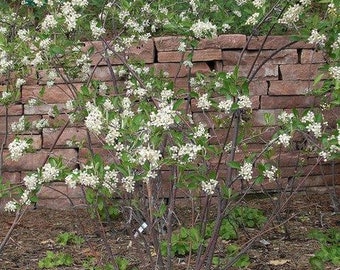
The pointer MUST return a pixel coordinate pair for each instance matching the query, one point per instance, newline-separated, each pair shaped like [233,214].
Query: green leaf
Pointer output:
[234,164]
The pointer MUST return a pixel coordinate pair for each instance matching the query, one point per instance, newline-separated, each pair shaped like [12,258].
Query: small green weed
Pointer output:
[69,238]
[330,248]
[52,260]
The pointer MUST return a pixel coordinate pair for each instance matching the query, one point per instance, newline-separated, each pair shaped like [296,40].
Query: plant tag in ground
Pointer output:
[278,262]
[264,242]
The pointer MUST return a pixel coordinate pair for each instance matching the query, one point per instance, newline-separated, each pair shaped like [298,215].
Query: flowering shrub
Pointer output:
[143,122]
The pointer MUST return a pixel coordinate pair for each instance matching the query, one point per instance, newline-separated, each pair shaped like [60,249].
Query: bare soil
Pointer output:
[37,231]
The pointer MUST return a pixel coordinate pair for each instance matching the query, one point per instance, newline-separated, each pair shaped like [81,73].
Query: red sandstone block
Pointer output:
[42,109]
[77,134]
[234,41]
[290,87]
[198,56]
[58,93]
[43,78]
[12,177]
[168,43]
[51,191]
[266,72]
[285,102]
[177,70]
[287,56]
[15,109]
[305,72]
[33,161]
[108,156]
[61,203]
[275,42]
[258,88]
[312,56]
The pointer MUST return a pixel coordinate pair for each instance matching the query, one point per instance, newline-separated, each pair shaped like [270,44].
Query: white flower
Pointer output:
[189,151]
[209,187]
[10,206]
[128,183]
[200,131]
[48,23]
[166,95]
[309,117]
[94,120]
[246,171]
[244,102]
[203,29]
[19,82]
[285,117]
[291,15]
[19,126]
[182,46]
[32,102]
[88,179]
[110,179]
[108,106]
[253,19]
[241,2]
[17,148]
[259,3]
[49,173]
[325,155]
[71,179]
[148,154]
[225,105]
[164,117]
[188,64]
[315,128]
[270,173]
[203,102]
[335,72]
[284,139]
[225,27]
[42,123]
[317,39]
[96,31]
[31,181]
[23,35]
[69,105]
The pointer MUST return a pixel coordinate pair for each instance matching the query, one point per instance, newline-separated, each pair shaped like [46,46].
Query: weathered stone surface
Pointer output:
[12,177]
[177,70]
[15,109]
[42,109]
[258,88]
[234,41]
[290,87]
[305,72]
[198,56]
[266,72]
[275,42]
[58,93]
[285,102]
[288,56]
[312,56]
[258,116]
[168,43]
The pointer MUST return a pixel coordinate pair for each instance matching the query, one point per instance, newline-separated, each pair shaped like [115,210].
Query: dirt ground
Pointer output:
[39,228]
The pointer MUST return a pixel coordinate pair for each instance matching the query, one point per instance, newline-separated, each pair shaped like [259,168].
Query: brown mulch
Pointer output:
[37,231]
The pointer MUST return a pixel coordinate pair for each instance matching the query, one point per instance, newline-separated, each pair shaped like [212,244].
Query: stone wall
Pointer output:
[281,83]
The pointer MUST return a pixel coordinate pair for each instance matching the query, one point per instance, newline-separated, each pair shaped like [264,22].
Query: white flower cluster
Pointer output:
[23,34]
[201,132]
[49,22]
[284,139]
[246,171]
[204,29]
[88,178]
[51,76]
[94,119]
[203,102]
[148,154]
[5,63]
[312,126]
[253,19]
[189,151]
[270,173]
[96,31]
[113,133]
[244,102]
[110,179]
[11,206]
[292,15]
[49,173]
[19,83]
[17,148]
[225,105]
[259,3]
[70,15]
[335,72]
[285,117]
[209,186]
[19,126]
[42,123]
[128,183]
[317,39]
[182,46]
[31,181]
[164,117]
[84,62]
